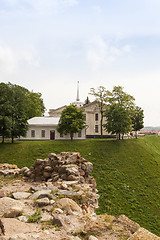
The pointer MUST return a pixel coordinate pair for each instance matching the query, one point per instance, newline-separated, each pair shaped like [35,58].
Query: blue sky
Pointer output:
[49,45]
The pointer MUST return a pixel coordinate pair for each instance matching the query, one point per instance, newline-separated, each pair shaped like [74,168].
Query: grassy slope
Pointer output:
[127,172]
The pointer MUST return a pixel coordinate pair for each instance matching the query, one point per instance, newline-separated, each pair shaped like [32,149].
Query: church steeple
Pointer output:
[77,99]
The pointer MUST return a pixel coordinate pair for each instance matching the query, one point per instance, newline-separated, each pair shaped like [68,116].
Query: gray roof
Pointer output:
[43,121]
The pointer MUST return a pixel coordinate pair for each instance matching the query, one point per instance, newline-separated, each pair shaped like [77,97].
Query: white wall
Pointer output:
[38,134]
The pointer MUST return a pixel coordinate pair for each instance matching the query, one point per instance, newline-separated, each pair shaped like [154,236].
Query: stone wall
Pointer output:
[68,166]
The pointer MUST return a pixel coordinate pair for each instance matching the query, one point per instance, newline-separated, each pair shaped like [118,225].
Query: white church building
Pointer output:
[45,128]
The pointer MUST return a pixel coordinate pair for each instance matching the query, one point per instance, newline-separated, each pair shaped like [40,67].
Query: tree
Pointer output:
[35,105]
[102,96]
[118,120]
[122,98]
[5,111]
[17,105]
[71,121]
[137,119]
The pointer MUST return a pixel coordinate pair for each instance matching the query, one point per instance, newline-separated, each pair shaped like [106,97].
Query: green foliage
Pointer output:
[137,119]
[122,98]
[119,109]
[35,217]
[17,105]
[127,172]
[35,105]
[71,120]
[117,120]
[102,97]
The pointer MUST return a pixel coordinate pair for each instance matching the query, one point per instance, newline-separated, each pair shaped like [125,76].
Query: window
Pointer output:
[96,128]
[32,133]
[43,133]
[61,134]
[80,134]
[96,117]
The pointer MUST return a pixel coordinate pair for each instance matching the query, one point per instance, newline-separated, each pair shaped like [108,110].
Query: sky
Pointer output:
[48,45]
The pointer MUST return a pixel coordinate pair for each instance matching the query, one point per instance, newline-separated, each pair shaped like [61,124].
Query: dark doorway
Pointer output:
[52,135]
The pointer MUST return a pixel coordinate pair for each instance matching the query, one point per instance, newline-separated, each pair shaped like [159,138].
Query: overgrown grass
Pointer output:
[127,172]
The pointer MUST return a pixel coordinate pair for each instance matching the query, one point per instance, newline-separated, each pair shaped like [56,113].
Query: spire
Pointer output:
[77,99]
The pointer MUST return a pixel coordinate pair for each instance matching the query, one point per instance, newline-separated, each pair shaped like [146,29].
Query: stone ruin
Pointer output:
[62,187]
[68,166]
[63,169]
[67,171]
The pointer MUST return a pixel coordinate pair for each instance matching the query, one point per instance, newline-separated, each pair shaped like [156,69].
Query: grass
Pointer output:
[127,172]
[35,217]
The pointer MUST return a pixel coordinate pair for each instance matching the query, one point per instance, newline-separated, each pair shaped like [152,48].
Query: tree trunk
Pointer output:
[12,139]
[71,134]
[119,136]
[2,139]
[136,135]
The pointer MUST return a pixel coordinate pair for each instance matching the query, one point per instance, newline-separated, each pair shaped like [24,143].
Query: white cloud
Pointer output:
[100,52]
[70,2]
[11,60]
[97,9]
[40,5]
[29,58]
[7,61]
[96,51]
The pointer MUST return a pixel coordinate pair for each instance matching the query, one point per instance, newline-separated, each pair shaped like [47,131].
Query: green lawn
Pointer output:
[127,172]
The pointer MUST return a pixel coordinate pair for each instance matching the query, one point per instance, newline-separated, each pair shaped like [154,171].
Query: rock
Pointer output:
[48,169]
[75,238]
[46,174]
[46,217]
[24,170]
[72,170]
[67,193]
[58,221]
[46,195]
[131,225]
[69,206]
[87,167]
[48,208]
[72,177]
[91,237]
[68,222]
[23,219]
[70,183]
[52,156]
[64,186]
[57,211]
[66,165]
[12,213]
[9,172]
[21,195]
[64,176]
[43,202]
[9,204]
[40,193]
[55,177]
[82,173]
[143,234]
[2,230]
[3,193]
[28,174]
[52,188]
[13,226]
